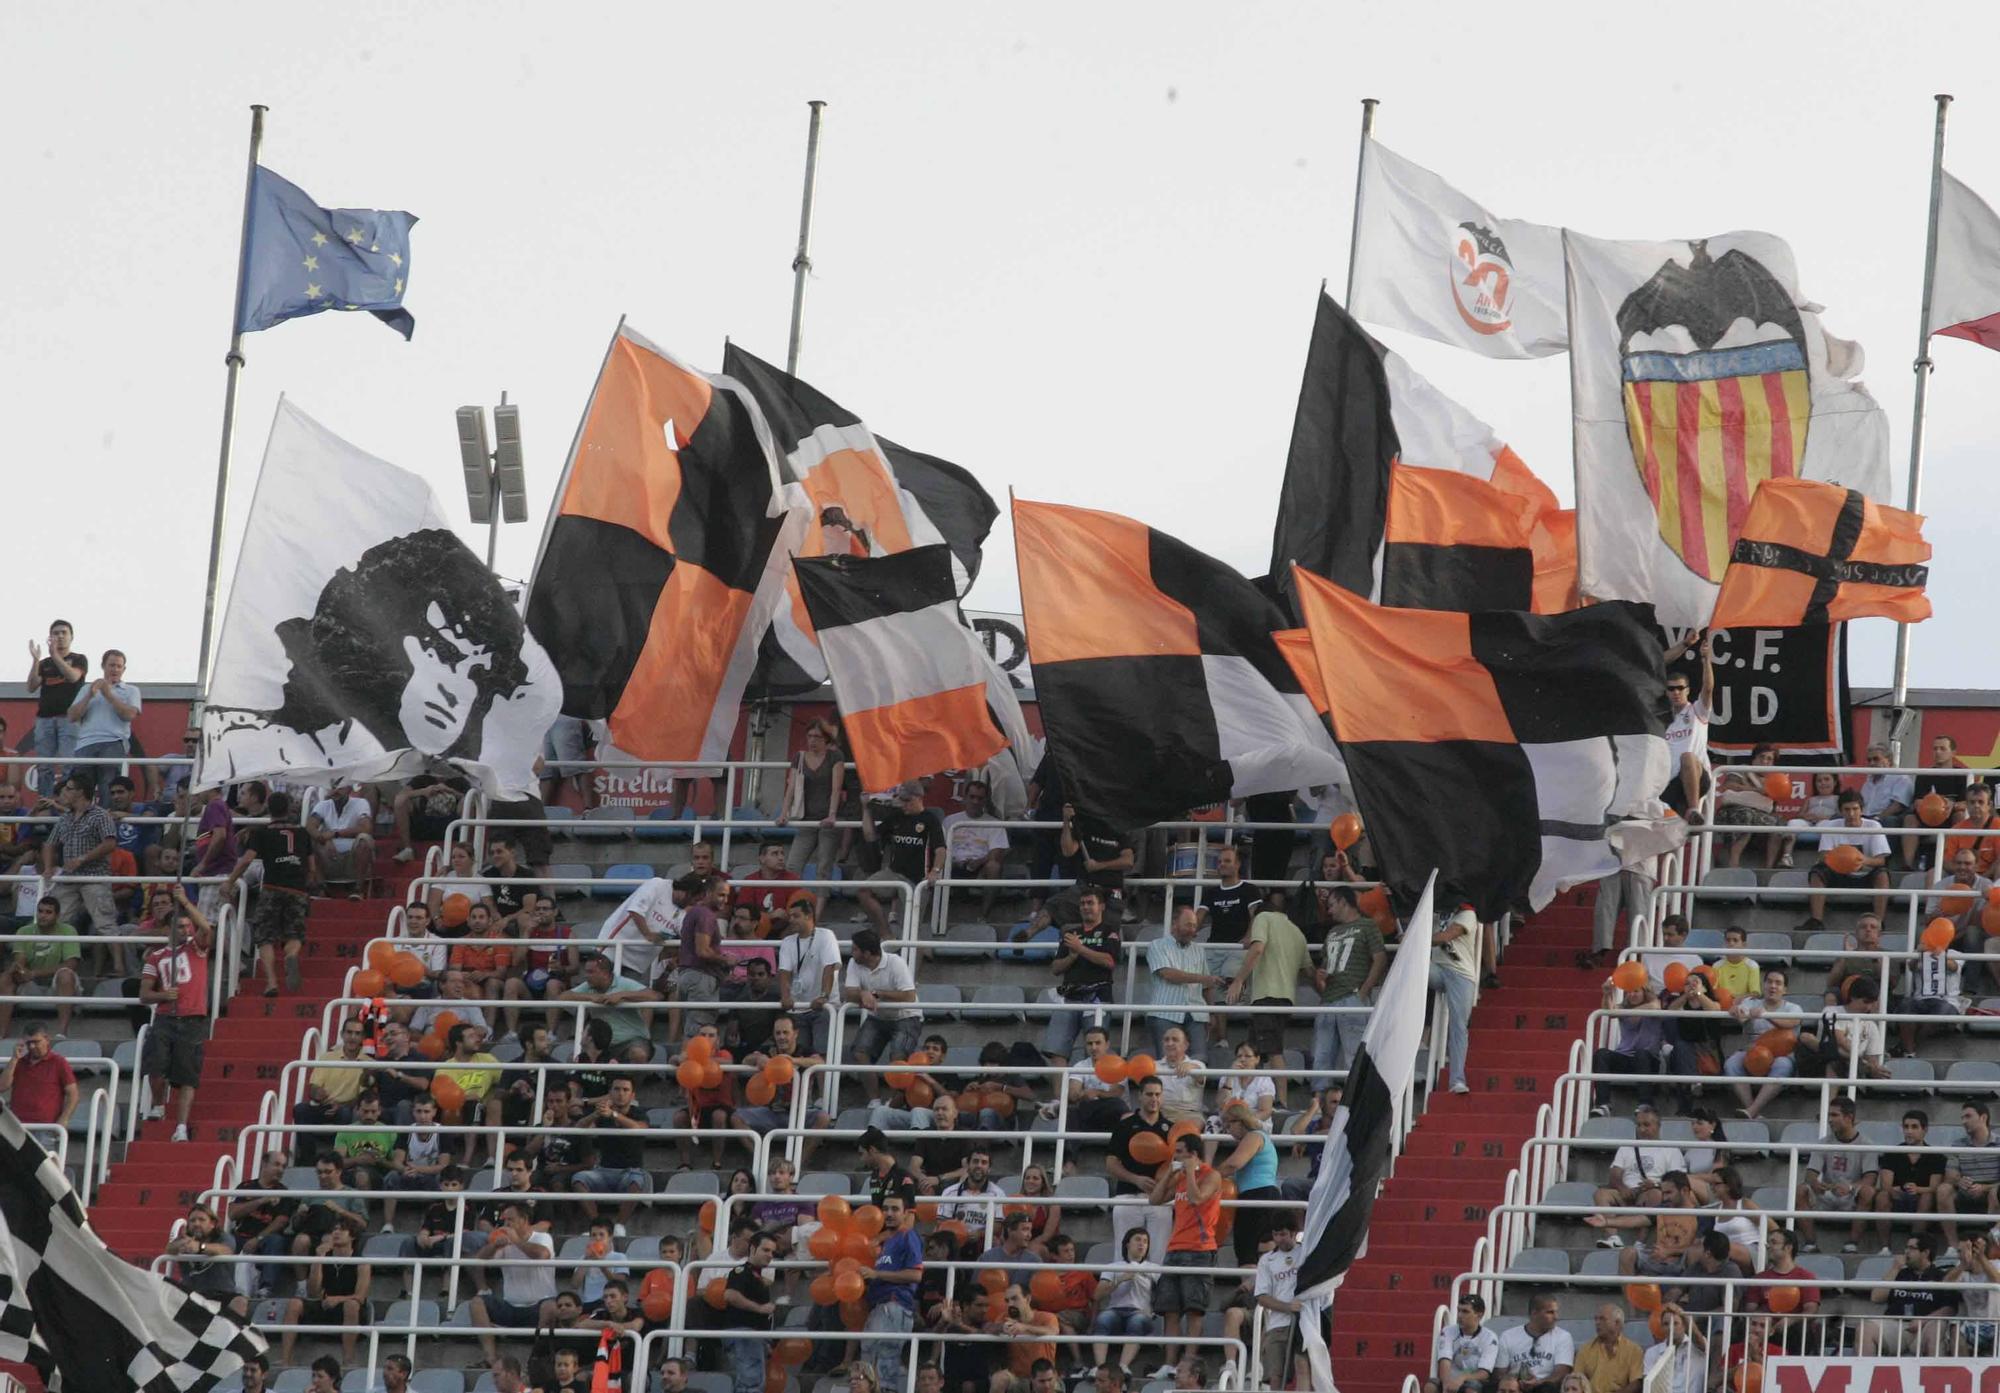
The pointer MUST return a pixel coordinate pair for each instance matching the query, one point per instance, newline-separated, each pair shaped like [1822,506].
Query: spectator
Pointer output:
[1912,1329]
[1252,1164]
[1782,1268]
[283,853]
[1466,1353]
[1742,802]
[428,948]
[511,1103]
[174,982]
[1275,959]
[777,1113]
[1760,1016]
[957,1199]
[260,1222]
[913,847]
[1195,1190]
[757,891]
[892,1291]
[1179,969]
[1972,1175]
[417,1160]
[1857,831]
[810,802]
[1232,902]
[553,965]
[1182,1079]
[487,965]
[1979,1303]
[1455,972]
[1736,973]
[1030,1361]
[941,1156]
[1094,1105]
[620,1159]
[462,881]
[1908,1181]
[42,963]
[1686,1344]
[343,842]
[747,1305]
[1353,965]
[1641,1039]
[631,1042]
[364,1152]
[707,1109]
[513,903]
[1612,1363]
[336,1291]
[1673,934]
[977,852]
[1275,1289]
[39,1084]
[557,1157]
[1820,804]
[526,1299]
[55,682]
[701,967]
[1077,1289]
[1863,959]
[1687,733]
[882,985]
[215,847]
[1713,1257]
[1665,1254]
[103,712]
[476,1072]
[81,844]
[201,1238]
[1887,798]
[325,1375]
[1630,889]
[808,972]
[1125,1300]
[1539,1353]
[331,1089]
[1951,784]
[753,1002]
[424,807]
[454,997]
[1937,988]
[1844,1036]
[20,844]
[1129,1175]
[396,1373]
[139,840]
[1086,964]
[1636,1174]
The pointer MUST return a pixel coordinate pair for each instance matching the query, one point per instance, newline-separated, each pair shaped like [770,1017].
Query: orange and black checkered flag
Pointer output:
[1813,553]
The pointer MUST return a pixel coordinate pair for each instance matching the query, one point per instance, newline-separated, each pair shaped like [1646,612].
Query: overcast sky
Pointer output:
[1073,247]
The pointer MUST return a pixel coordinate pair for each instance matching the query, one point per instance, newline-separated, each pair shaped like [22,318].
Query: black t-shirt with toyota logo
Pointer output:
[909,841]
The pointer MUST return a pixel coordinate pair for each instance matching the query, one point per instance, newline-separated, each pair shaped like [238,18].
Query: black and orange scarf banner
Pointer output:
[1813,553]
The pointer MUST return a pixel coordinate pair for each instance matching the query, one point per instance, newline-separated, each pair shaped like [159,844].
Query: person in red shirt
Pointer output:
[757,890]
[706,1107]
[37,1081]
[1978,814]
[174,982]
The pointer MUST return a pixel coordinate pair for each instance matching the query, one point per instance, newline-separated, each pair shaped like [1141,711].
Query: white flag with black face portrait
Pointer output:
[363,638]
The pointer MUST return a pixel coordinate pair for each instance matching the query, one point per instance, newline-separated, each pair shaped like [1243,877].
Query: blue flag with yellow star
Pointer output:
[300,258]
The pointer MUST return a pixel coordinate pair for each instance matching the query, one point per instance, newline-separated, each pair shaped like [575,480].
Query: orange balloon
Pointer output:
[853,1315]
[1783,1300]
[708,1217]
[993,1280]
[1933,808]
[780,1069]
[1110,1068]
[848,1286]
[1844,859]
[835,1212]
[996,1308]
[712,1292]
[1645,1296]
[1938,935]
[759,1090]
[1657,1323]
[1777,787]
[454,910]
[657,1305]
[1676,977]
[867,1220]
[793,1352]
[1346,830]
[920,1094]
[821,1289]
[1757,1059]
[1724,998]
[1374,903]
[688,1075]
[700,1049]
[1993,895]
[824,1245]
[1149,1148]
[999,1100]
[971,1100]
[446,1092]
[859,1247]
[899,1079]
[381,953]
[841,1265]
[776,1378]
[1188,1128]
[368,982]
[406,970]
[1749,1378]
[955,1228]
[1781,1042]
[1629,976]
[711,1075]
[431,1048]
[1140,1067]
[1046,1290]
[1226,1220]
[927,1211]
[1989,919]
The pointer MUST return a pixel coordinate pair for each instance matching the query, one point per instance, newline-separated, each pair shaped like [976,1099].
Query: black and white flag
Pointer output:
[77,1309]
[1362,1136]
[363,638]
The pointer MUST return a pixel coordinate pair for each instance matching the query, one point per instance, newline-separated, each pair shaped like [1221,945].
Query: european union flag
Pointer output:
[300,258]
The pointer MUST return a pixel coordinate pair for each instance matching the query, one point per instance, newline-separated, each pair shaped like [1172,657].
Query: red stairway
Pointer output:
[159,1178]
[1455,1162]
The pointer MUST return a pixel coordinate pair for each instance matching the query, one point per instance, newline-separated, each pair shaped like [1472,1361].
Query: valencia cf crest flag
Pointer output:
[1157,669]
[665,556]
[1816,554]
[1517,753]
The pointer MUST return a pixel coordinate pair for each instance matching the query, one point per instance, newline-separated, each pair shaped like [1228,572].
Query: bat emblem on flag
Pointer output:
[1482,279]
[1714,358]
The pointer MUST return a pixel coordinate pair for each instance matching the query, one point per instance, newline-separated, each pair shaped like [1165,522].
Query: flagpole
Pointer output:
[235,364]
[1368,105]
[802,262]
[1900,697]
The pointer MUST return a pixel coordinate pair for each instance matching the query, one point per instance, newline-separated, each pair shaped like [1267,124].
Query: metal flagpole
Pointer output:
[1922,367]
[802,262]
[235,362]
[1368,105]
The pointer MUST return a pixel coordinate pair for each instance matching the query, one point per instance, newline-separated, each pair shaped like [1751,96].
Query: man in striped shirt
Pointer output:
[1972,1175]
[1179,968]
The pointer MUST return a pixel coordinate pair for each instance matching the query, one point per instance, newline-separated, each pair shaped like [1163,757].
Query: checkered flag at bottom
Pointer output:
[73,1308]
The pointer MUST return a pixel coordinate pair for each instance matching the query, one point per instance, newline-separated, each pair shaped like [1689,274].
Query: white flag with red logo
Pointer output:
[1430,260]
[1965,291]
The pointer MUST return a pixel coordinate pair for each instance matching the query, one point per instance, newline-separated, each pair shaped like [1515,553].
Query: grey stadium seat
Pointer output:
[996,994]
[1768,942]
[1599,1262]
[1912,1070]
[1971,1070]
[1577,1192]
[1739,884]
[1609,1129]
[1531,1262]
[694,1183]
[399,1313]
[825,1183]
